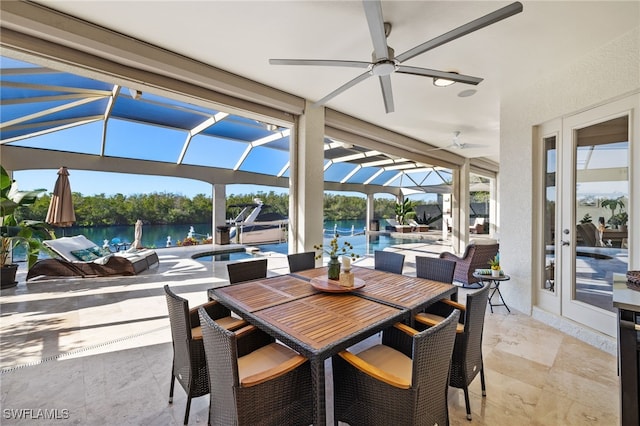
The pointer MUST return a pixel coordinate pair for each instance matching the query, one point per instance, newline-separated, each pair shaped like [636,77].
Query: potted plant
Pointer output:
[334,250]
[403,211]
[586,218]
[622,218]
[14,233]
[495,266]
[613,204]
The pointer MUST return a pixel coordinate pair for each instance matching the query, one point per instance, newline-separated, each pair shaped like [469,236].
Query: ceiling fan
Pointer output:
[384,62]
[456,144]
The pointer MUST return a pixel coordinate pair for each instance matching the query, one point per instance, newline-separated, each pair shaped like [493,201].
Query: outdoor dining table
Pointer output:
[320,324]
[402,291]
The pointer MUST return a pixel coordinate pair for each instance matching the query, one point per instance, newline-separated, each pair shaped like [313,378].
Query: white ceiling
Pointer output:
[241,36]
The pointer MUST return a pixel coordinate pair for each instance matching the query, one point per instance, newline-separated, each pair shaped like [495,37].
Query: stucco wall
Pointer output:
[607,73]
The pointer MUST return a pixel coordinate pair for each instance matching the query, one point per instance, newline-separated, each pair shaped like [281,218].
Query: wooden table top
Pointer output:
[395,289]
[260,294]
[323,320]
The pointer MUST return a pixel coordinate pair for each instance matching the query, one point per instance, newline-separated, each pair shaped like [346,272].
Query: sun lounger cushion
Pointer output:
[130,262]
[66,246]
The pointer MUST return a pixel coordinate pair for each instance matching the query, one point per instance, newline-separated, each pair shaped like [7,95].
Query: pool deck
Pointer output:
[98,350]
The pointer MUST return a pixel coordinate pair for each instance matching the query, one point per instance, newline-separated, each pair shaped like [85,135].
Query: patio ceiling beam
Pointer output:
[197,130]
[351,173]
[107,115]
[64,89]
[373,177]
[49,111]
[33,24]
[396,176]
[58,125]
[35,99]
[274,137]
[284,169]
[17,158]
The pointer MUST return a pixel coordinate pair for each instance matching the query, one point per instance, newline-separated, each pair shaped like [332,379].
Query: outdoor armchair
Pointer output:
[255,380]
[189,366]
[302,261]
[476,256]
[402,381]
[466,361]
[388,261]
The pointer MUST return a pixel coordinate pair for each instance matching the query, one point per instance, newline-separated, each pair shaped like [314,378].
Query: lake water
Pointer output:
[155,236]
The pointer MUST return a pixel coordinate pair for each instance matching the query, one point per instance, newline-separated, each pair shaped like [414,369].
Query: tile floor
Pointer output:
[98,352]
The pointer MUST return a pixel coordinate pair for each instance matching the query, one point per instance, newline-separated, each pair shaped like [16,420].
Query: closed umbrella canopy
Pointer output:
[137,242]
[61,211]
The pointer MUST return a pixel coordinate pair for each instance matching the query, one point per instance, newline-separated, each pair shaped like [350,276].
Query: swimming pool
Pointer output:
[363,245]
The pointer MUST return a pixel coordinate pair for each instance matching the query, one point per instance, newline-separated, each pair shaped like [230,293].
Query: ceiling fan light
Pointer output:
[442,82]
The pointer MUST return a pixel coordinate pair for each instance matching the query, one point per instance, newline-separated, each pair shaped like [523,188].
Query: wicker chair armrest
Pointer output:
[450,256]
[272,373]
[454,304]
[246,331]
[373,371]
[213,308]
[429,321]
[405,328]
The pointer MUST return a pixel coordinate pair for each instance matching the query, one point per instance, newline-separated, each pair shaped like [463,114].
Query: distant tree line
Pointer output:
[159,208]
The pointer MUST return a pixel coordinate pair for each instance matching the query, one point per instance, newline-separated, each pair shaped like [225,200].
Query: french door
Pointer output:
[586,208]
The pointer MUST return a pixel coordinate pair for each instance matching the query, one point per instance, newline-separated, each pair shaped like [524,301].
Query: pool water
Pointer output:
[223,257]
[363,245]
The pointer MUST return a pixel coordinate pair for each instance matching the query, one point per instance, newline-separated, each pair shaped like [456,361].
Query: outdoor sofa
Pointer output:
[80,257]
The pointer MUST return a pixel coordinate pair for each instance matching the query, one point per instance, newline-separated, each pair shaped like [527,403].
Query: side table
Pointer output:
[494,283]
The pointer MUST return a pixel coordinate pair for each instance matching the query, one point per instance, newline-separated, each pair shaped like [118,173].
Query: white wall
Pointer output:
[608,72]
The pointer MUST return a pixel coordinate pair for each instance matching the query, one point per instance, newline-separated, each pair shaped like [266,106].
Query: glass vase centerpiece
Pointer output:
[334,250]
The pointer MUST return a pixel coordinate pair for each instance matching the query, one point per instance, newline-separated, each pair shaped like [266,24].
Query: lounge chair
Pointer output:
[476,256]
[96,261]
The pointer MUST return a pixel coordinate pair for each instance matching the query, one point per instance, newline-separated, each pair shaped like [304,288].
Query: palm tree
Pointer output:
[612,204]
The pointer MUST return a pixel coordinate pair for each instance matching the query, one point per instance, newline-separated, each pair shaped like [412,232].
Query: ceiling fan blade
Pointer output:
[320,62]
[387,93]
[465,29]
[472,146]
[439,148]
[342,88]
[460,78]
[373,11]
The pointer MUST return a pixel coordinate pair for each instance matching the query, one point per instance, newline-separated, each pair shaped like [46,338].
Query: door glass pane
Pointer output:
[479,197]
[549,213]
[602,197]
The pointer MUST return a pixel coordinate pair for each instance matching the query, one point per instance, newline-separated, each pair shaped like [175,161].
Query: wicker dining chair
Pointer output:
[466,361]
[302,261]
[189,366]
[403,381]
[436,269]
[247,270]
[388,261]
[255,380]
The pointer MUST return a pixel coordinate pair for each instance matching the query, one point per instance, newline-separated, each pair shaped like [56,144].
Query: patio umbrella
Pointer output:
[137,241]
[61,211]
